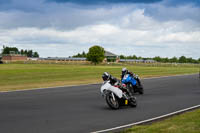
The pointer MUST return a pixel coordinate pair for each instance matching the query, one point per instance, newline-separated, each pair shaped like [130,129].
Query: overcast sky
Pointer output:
[64,28]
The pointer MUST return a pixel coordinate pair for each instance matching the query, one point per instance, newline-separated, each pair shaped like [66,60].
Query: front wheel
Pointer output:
[131,88]
[133,102]
[112,103]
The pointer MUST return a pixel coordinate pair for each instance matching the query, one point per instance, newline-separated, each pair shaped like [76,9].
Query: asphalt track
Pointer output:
[81,109]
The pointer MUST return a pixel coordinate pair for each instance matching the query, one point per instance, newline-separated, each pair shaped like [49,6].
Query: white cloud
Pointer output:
[122,30]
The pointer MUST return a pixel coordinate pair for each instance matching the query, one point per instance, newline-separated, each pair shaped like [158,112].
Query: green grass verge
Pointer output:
[25,76]
[185,123]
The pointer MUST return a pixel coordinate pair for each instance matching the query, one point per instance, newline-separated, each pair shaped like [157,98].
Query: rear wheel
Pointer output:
[141,89]
[112,103]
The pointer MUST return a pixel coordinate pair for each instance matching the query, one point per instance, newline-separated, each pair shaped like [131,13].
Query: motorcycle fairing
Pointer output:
[127,78]
[115,90]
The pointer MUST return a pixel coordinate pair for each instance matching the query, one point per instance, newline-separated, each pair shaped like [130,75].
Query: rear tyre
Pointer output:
[141,90]
[139,87]
[113,104]
[133,102]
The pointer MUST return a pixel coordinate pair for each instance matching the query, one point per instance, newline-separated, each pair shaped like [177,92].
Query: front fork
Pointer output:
[113,96]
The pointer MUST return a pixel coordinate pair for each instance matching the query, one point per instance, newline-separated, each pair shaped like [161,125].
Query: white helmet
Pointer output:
[124,70]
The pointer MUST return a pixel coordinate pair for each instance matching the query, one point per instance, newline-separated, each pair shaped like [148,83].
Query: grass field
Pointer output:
[26,76]
[185,123]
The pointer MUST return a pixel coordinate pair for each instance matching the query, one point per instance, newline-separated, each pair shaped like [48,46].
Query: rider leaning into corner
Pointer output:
[113,81]
[126,71]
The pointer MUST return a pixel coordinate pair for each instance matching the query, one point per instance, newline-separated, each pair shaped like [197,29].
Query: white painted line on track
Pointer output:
[89,84]
[148,120]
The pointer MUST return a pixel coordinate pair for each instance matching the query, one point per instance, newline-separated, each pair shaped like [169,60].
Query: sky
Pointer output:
[62,28]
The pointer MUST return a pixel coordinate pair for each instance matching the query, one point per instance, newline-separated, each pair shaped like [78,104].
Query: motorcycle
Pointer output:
[133,83]
[116,97]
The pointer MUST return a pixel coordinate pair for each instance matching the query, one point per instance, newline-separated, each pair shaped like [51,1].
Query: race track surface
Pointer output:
[81,109]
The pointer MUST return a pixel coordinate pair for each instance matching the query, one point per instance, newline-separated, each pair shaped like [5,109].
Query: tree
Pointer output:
[22,52]
[182,59]
[25,52]
[129,57]
[14,50]
[165,60]
[35,54]
[134,57]
[96,54]
[9,50]
[157,58]
[122,57]
[83,54]
[30,53]
[189,60]
[174,59]
[80,55]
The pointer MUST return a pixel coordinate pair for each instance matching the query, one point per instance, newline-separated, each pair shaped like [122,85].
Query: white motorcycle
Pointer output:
[116,97]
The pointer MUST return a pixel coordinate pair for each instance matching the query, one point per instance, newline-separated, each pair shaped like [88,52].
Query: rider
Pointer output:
[113,81]
[126,71]
[106,76]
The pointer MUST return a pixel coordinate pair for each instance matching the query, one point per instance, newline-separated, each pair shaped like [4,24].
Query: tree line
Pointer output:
[80,55]
[14,50]
[181,59]
[95,50]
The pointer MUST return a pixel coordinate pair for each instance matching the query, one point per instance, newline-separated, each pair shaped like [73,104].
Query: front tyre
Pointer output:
[131,88]
[113,104]
[133,102]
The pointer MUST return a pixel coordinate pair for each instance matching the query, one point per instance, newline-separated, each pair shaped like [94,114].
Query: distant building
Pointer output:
[137,60]
[33,58]
[63,59]
[110,57]
[131,60]
[14,57]
[149,61]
